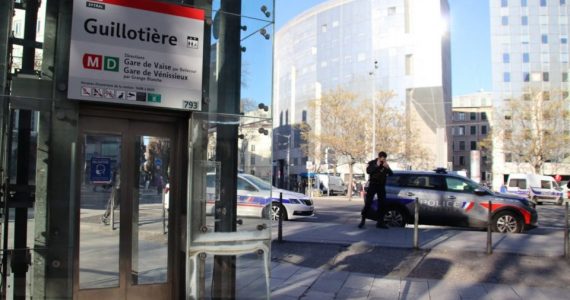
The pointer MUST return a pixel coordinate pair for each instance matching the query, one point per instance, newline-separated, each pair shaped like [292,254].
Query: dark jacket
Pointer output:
[377,173]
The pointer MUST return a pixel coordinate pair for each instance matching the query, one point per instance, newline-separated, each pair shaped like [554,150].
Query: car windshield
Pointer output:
[260,183]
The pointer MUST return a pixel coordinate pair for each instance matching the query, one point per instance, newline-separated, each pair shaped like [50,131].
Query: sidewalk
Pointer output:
[296,281]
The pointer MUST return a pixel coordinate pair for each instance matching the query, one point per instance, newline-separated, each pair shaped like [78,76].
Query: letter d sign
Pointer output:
[111,64]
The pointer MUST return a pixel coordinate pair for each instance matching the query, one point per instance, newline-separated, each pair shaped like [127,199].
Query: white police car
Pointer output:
[258,198]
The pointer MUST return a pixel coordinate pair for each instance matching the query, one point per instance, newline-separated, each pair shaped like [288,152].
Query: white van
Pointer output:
[325,182]
[537,188]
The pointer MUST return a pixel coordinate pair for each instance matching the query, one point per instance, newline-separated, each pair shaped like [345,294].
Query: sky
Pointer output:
[470,40]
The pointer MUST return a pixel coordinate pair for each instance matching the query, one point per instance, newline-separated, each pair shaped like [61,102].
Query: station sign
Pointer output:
[142,52]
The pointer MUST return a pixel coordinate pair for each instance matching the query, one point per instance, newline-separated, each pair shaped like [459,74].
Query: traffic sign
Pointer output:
[100,169]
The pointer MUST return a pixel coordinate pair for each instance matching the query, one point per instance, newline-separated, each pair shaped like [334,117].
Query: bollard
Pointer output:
[566,241]
[416,223]
[489,234]
[280,222]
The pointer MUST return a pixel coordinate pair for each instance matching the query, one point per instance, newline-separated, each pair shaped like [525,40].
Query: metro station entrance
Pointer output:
[124,232]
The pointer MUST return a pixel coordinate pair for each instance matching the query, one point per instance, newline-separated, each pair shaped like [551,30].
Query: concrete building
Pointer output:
[529,42]
[364,46]
[470,127]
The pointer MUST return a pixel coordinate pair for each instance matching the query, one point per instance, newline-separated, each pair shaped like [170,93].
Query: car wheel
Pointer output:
[507,222]
[277,211]
[394,217]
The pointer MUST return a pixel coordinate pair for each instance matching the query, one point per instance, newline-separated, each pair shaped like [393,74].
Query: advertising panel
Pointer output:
[140,52]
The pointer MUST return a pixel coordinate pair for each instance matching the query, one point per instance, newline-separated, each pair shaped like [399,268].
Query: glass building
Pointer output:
[363,46]
[529,48]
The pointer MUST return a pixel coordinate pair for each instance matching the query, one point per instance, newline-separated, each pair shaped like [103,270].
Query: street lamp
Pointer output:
[372,73]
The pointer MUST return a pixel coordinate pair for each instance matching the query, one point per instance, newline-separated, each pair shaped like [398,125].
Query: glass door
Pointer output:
[124,250]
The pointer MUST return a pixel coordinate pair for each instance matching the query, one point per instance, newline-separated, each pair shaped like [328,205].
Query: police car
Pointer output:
[452,200]
[259,199]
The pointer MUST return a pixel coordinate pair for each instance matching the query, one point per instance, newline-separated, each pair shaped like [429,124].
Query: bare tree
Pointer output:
[533,129]
[396,134]
[341,126]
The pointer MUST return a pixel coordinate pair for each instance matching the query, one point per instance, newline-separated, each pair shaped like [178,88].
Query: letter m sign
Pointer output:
[98,62]
[92,61]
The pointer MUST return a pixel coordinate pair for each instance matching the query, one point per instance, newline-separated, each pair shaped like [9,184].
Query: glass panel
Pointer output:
[150,217]
[98,237]
[251,275]
[255,193]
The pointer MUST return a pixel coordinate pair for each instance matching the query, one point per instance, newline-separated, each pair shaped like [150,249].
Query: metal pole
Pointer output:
[373,74]
[416,223]
[489,234]
[280,222]
[163,213]
[113,195]
[566,241]
[289,161]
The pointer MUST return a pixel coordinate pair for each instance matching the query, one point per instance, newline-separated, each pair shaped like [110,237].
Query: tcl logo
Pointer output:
[100,62]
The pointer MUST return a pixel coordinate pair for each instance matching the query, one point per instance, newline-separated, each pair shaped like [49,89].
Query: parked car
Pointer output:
[452,200]
[537,188]
[326,182]
[257,198]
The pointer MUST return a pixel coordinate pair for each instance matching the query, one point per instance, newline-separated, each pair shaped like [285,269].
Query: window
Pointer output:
[409,64]
[545,76]
[505,20]
[506,58]
[424,181]
[564,76]
[520,183]
[526,57]
[524,20]
[524,3]
[526,77]
[564,40]
[509,157]
[391,10]
[461,130]
[484,129]
[252,148]
[543,3]
[507,77]
[462,145]
[483,116]
[504,3]
[562,2]
[473,130]
[460,185]
[252,160]
[473,145]
[545,184]
[544,38]
[462,160]
[461,116]
[244,185]
[472,116]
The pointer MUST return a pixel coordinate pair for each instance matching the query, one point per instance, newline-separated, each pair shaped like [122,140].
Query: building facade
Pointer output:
[470,130]
[529,50]
[364,46]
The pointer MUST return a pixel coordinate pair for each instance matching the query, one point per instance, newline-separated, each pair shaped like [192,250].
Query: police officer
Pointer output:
[378,169]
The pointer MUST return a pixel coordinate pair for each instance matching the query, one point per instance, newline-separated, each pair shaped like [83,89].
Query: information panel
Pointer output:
[136,52]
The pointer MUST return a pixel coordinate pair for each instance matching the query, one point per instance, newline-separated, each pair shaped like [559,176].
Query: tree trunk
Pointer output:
[350,179]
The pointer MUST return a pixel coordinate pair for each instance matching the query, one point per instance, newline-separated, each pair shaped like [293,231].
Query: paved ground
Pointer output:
[340,261]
